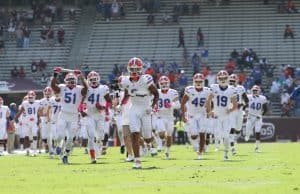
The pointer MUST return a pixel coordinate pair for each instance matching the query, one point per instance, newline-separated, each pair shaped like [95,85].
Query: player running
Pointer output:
[257,108]
[194,103]
[144,96]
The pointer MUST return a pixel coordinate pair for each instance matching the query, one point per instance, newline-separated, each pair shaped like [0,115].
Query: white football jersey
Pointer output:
[240,90]
[95,95]
[44,103]
[3,112]
[167,98]
[70,98]
[256,104]
[138,91]
[55,108]
[196,102]
[222,98]
[31,110]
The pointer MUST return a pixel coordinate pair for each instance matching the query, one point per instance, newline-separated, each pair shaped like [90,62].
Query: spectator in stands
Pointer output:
[107,11]
[275,87]
[263,63]
[180,38]
[43,36]
[196,62]
[150,20]
[166,18]
[1,31]
[230,66]
[288,32]
[19,37]
[26,33]
[242,78]
[281,8]
[195,9]
[61,35]
[284,99]
[257,75]
[116,70]
[99,9]
[204,56]
[11,29]
[183,80]
[211,78]
[2,50]
[21,72]
[14,72]
[200,38]
[291,7]
[122,10]
[115,9]
[185,9]
[72,14]
[50,36]
[34,66]
[42,65]
[44,79]
[295,100]
[234,55]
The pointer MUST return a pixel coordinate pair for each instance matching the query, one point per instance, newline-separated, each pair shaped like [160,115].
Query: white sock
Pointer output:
[167,149]
[34,145]
[257,143]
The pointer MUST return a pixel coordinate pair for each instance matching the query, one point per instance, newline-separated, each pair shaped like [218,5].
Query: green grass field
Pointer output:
[275,170]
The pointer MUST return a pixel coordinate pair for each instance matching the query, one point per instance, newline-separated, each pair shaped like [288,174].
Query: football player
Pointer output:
[53,110]
[98,102]
[144,96]
[194,102]
[4,115]
[237,115]
[72,96]
[224,101]
[168,101]
[256,109]
[31,121]
[45,126]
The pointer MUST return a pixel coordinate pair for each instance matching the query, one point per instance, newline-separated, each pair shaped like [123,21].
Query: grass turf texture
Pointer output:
[275,170]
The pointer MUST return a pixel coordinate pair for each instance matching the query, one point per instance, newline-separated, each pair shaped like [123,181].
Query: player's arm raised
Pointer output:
[208,103]
[245,99]
[83,81]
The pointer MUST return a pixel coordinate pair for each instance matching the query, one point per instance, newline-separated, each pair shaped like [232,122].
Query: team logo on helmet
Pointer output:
[198,80]
[255,90]
[233,79]
[222,78]
[93,79]
[47,92]
[71,80]
[135,67]
[31,96]
[164,83]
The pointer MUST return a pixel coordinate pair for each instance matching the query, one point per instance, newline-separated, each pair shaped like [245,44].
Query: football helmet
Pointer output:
[164,83]
[47,92]
[255,90]
[1,101]
[233,79]
[93,79]
[135,68]
[31,96]
[198,80]
[71,80]
[222,78]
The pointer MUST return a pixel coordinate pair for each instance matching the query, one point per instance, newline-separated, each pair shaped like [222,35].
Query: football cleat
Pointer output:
[226,156]
[233,150]
[257,150]
[122,149]
[129,159]
[58,150]
[200,157]
[137,165]
[153,152]
[86,151]
[167,156]
[94,161]
[65,160]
